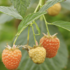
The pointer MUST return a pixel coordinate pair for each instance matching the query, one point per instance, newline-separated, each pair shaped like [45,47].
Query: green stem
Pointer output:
[15,39]
[28,35]
[37,8]
[18,35]
[37,28]
[22,30]
[46,25]
[41,2]
[49,23]
[34,34]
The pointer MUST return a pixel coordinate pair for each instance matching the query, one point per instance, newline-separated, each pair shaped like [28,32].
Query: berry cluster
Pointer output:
[48,47]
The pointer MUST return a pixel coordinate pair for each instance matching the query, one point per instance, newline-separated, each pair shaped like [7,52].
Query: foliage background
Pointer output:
[8,27]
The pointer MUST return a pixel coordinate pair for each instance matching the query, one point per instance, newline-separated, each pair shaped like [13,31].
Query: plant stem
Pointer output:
[28,35]
[46,25]
[34,34]
[41,2]
[15,39]
[22,30]
[37,8]
[18,35]
[37,28]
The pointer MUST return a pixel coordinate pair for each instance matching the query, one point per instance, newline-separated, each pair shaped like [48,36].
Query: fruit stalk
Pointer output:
[28,35]
[41,4]
[46,25]
[37,28]
[17,35]
[15,39]
[34,34]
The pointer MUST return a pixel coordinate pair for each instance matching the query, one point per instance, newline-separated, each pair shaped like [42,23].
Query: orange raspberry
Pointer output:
[11,58]
[51,44]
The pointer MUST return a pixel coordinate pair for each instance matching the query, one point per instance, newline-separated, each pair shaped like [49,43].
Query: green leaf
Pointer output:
[21,6]
[48,4]
[28,20]
[68,64]
[66,4]
[5,18]
[56,63]
[62,24]
[2,65]
[10,11]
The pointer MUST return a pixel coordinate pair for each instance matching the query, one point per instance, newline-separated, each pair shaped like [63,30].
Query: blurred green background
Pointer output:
[8,26]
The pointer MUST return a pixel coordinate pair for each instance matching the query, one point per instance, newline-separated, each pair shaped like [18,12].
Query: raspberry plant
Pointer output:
[36,22]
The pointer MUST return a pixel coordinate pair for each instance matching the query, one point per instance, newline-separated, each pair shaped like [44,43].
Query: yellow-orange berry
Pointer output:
[11,58]
[54,10]
[51,44]
[37,55]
